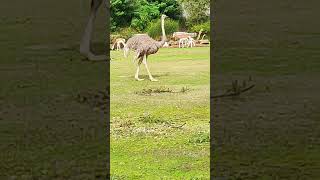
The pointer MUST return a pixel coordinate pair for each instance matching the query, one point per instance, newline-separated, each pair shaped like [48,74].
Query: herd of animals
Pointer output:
[179,39]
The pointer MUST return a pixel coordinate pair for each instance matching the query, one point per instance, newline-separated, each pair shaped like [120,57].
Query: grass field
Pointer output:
[161,129]
[272,131]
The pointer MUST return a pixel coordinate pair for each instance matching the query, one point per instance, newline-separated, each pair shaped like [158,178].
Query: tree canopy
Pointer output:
[196,11]
[139,13]
[122,12]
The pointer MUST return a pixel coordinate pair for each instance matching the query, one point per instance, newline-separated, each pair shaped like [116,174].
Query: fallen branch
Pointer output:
[178,127]
[233,93]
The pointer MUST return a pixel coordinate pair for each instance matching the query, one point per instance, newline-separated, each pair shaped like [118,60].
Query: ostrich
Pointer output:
[118,42]
[85,45]
[203,36]
[199,34]
[144,46]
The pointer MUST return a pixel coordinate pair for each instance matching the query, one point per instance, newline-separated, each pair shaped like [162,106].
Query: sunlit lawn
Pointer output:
[161,129]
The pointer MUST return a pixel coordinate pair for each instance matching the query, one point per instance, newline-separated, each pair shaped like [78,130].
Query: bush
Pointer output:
[205,26]
[200,137]
[139,13]
[122,12]
[144,13]
[196,12]
[128,32]
[154,29]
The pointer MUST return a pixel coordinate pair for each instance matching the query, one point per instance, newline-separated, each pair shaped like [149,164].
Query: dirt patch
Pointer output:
[159,90]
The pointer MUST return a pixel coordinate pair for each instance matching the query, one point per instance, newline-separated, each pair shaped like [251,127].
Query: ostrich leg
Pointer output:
[138,69]
[87,36]
[146,65]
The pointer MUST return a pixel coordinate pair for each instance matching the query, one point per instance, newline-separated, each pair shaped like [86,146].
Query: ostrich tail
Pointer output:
[125,51]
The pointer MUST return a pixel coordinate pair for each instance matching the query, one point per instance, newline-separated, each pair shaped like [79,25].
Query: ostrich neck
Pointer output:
[164,38]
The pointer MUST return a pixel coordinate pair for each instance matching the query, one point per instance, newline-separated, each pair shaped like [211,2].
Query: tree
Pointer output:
[122,12]
[196,11]
[171,8]
[144,14]
[139,13]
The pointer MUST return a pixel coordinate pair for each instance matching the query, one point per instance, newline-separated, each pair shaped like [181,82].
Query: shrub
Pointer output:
[127,32]
[121,12]
[113,37]
[196,12]
[148,118]
[154,29]
[144,14]
[200,137]
[205,26]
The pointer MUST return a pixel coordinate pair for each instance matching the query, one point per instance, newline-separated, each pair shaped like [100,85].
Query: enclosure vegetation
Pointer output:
[133,16]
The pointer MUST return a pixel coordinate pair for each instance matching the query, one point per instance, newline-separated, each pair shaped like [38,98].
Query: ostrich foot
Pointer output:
[153,79]
[138,79]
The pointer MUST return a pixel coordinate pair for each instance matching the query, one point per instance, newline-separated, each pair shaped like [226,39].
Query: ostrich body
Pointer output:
[85,45]
[144,46]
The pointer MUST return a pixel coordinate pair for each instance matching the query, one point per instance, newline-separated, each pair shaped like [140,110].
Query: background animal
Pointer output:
[180,35]
[191,42]
[118,42]
[183,42]
[166,44]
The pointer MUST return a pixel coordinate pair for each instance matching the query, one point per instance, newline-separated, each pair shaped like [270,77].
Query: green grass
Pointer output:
[164,132]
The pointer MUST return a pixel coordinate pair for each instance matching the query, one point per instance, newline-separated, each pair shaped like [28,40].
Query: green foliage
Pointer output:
[154,29]
[122,12]
[197,11]
[145,13]
[204,26]
[200,137]
[127,32]
[139,13]
[148,118]
[171,8]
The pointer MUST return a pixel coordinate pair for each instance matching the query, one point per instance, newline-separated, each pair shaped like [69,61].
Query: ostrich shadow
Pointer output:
[145,76]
